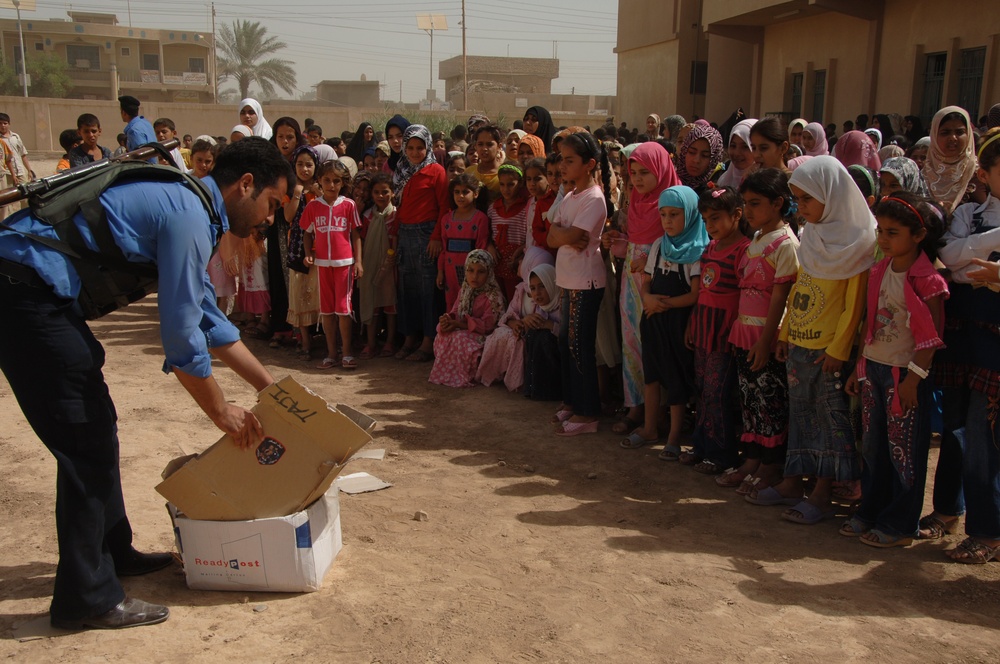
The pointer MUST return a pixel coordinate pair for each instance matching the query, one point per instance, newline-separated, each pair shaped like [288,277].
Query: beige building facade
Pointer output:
[106,60]
[823,60]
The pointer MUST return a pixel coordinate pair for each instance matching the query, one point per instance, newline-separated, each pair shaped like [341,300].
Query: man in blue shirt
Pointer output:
[138,131]
[53,361]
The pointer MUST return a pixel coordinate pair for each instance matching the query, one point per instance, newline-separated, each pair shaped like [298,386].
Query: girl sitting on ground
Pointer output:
[462,331]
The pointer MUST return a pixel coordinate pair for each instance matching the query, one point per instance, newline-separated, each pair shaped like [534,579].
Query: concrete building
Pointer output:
[107,60]
[363,93]
[525,75]
[824,60]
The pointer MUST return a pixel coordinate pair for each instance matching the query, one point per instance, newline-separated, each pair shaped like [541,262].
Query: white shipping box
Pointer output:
[278,554]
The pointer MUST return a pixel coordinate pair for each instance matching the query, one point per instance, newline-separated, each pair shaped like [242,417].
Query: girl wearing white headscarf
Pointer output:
[817,336]
[254,118]
[740,155]
[503,354]
[241,131]
[951,157]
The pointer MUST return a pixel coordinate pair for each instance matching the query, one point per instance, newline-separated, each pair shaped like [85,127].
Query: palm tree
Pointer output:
[244,47]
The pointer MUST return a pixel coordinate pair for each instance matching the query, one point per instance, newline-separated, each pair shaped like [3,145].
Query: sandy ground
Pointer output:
[537,548]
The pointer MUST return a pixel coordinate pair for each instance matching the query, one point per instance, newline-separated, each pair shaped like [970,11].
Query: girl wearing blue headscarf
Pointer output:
[669,292]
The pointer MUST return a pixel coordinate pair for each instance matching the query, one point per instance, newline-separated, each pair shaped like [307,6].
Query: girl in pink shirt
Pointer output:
[576,231]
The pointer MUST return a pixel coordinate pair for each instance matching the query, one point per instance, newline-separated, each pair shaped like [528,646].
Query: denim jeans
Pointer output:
[981,467]
[820,433]
[895,448]
[416,295]
[949,497]
[577,349]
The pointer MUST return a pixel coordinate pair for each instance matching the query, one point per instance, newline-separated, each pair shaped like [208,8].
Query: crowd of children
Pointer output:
[790,312]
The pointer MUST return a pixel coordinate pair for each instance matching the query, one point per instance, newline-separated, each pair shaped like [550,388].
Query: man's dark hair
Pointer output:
[254,155]
[87,120]
[4,117]
[459,132]
[309,122]
[69,139]
[314,128]
[129,105]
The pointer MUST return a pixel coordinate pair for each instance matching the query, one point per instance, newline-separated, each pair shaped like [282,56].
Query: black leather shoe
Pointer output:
[130,612]
[136,564]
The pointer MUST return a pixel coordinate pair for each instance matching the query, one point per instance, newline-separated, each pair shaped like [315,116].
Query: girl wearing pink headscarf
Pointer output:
[814,140]
[855,147]
[650,172]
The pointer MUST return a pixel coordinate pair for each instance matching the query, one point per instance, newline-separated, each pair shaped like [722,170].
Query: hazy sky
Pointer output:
[331,39]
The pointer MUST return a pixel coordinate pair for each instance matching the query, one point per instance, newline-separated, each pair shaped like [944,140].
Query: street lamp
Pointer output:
[29,6]
[429,23]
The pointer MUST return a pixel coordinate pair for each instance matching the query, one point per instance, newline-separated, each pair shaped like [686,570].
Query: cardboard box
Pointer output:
[282,554]
[306,444]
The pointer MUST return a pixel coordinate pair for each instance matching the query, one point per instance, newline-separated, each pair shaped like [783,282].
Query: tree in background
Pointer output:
[247,57]
[48,77]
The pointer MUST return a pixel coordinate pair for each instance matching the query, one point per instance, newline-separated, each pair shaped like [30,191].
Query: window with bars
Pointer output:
[934,69]
[970,79]
[819,95]
[796,103]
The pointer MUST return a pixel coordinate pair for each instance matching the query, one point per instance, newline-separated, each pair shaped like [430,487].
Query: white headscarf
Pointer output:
[533,257]
[325,153]
[733,176]
[948,181]
[262,128]
[877,135]
[842,244]
[547,274]
[241,129]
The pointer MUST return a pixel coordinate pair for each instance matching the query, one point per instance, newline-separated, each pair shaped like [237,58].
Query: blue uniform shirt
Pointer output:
[138,132]
[151,222]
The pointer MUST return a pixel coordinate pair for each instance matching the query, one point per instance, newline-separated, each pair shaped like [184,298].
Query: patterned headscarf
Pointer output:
[674,124]
[993,117]
[855,147]
[947,181]
[491,289]
[537,145]
[405,169]
[907,174]
[714,140]
[687,247]
[474,121]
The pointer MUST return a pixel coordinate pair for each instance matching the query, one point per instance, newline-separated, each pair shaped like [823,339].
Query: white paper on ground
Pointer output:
[378,455]
[359,483]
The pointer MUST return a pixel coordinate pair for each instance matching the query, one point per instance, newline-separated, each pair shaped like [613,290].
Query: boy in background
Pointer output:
[89,129]
[68,139]
[165,130]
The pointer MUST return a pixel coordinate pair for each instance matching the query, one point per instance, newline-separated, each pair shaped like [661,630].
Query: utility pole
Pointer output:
[400,91]
[20,36]
[215,61]
[465,65]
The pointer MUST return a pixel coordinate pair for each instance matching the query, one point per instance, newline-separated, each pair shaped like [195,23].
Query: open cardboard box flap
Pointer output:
[306,444]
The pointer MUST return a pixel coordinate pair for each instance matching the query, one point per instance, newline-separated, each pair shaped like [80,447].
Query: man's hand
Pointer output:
[241,424]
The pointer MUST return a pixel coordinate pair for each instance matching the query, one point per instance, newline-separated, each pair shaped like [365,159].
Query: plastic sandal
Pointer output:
[669,453]
[769,496]
[576,428]
[634,441]
[327,363]
[854,527]
[884,540]
[388,351]
[729,479]
[366,353]
[808,514]
[349,362]
[936,528]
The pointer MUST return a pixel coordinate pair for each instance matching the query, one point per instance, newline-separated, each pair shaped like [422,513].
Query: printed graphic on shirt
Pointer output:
[709,275]
[885,329]
[807,303]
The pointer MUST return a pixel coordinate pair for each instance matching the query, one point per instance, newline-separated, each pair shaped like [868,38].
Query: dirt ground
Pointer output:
[537,548]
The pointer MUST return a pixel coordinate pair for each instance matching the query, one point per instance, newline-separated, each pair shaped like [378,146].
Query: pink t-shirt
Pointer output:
[332,225]
[582,270]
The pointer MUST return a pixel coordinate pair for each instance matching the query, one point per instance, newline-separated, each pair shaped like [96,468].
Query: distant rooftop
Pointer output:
[93,17]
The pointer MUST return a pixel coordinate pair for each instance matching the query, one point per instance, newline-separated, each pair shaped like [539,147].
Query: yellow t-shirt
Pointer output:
[825,313]
[490,181]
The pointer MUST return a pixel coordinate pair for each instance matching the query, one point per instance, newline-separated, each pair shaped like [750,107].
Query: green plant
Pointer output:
[48,76]
[246,56]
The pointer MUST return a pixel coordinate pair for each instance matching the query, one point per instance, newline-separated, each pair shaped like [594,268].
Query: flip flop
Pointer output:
[419,356]
[707,467]
[669,453]
[808,514]
[885,541]
[748,485]
[349,362]
[689,459]
[327,363]
[634,441]
[387,351]
[404,352]
[769,496]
